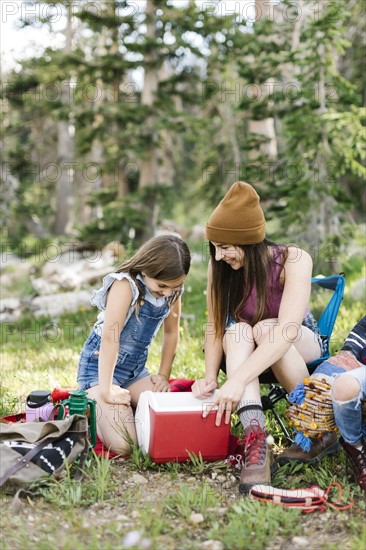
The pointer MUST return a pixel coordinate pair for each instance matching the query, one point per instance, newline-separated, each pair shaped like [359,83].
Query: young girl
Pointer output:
[258,317]
[144,293]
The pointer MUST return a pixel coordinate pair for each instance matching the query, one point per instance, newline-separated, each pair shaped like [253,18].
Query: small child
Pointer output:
[348,391]
[331,400]
[135,300]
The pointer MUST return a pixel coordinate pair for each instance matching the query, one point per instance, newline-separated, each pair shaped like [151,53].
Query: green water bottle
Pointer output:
[79,403]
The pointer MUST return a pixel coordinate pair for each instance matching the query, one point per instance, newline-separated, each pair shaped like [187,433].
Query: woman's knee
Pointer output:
[238,334]
[264,329]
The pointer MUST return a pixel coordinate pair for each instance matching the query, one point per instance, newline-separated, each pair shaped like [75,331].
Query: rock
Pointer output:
[68,268]
[300,542]
[9,259]
[9,304]
[220,511]
[131,539]
[212,545]
[55,305]
[196,518]
[10,275]
[139,479]
[43,286]
[122,517]
[80,272]
[17,270]
[10,310]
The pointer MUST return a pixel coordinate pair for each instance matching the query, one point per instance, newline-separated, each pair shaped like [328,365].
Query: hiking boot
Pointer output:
[257,458]
[358,461]
[321,446]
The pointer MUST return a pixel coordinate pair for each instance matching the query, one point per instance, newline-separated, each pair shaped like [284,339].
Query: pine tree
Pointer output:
[318,118]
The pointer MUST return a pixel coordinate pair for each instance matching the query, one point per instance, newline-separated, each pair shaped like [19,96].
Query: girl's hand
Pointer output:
[116,396]
[160,382]
[204,387]
[226,400]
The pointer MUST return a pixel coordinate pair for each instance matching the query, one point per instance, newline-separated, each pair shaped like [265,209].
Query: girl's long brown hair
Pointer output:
[164,258]
[231,288]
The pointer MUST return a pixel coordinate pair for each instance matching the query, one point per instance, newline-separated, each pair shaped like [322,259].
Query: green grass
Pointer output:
[262,522]
[189,500]
[43,354]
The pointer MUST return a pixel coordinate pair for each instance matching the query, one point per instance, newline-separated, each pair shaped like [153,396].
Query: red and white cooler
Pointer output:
[169,425]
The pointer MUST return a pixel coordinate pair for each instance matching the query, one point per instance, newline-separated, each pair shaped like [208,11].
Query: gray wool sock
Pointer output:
[249,410]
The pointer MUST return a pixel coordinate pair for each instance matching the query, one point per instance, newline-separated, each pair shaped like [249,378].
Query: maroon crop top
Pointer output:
[274,295]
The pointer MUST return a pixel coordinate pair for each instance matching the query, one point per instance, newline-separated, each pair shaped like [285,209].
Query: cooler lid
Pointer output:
[176,401]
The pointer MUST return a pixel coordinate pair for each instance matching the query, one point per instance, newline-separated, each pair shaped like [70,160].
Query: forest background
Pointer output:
[136,119]
[149,111]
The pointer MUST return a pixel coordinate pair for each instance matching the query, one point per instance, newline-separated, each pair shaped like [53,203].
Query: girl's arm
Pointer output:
[213,350]
[283,333]
[169,347]
[118,302]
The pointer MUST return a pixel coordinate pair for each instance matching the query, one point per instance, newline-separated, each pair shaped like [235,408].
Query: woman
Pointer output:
[258,318]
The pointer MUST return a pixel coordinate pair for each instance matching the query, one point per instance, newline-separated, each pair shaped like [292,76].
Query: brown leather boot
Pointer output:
[257,458]
[322,446]
[358,461]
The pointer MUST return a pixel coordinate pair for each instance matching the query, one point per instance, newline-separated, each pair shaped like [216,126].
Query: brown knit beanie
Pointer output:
[238,219]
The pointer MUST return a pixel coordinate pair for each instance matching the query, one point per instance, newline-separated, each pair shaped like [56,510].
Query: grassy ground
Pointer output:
[133,503]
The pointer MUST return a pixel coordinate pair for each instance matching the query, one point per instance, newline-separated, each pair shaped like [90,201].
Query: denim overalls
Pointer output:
[134,341]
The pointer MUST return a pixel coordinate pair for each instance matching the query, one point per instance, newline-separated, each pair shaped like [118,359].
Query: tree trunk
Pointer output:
[149,171]
[65,151]
[266,127]
[157,166]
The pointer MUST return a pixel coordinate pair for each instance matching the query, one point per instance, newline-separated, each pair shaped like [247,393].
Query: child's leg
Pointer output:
[135,389]
[115,423]
[348,390]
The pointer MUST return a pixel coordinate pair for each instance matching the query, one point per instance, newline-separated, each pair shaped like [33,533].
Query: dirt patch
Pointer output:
[141,511]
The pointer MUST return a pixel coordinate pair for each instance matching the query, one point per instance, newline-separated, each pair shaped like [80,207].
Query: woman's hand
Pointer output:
[226,400]
[160,383]
[116,396]
[204,387]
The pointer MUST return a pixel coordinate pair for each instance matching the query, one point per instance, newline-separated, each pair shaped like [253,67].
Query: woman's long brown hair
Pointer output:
[164,258]
[231,288]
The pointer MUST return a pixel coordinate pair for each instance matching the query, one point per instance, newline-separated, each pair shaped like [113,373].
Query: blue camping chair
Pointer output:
[335,284]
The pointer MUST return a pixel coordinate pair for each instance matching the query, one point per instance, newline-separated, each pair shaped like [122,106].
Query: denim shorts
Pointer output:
[128,370]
